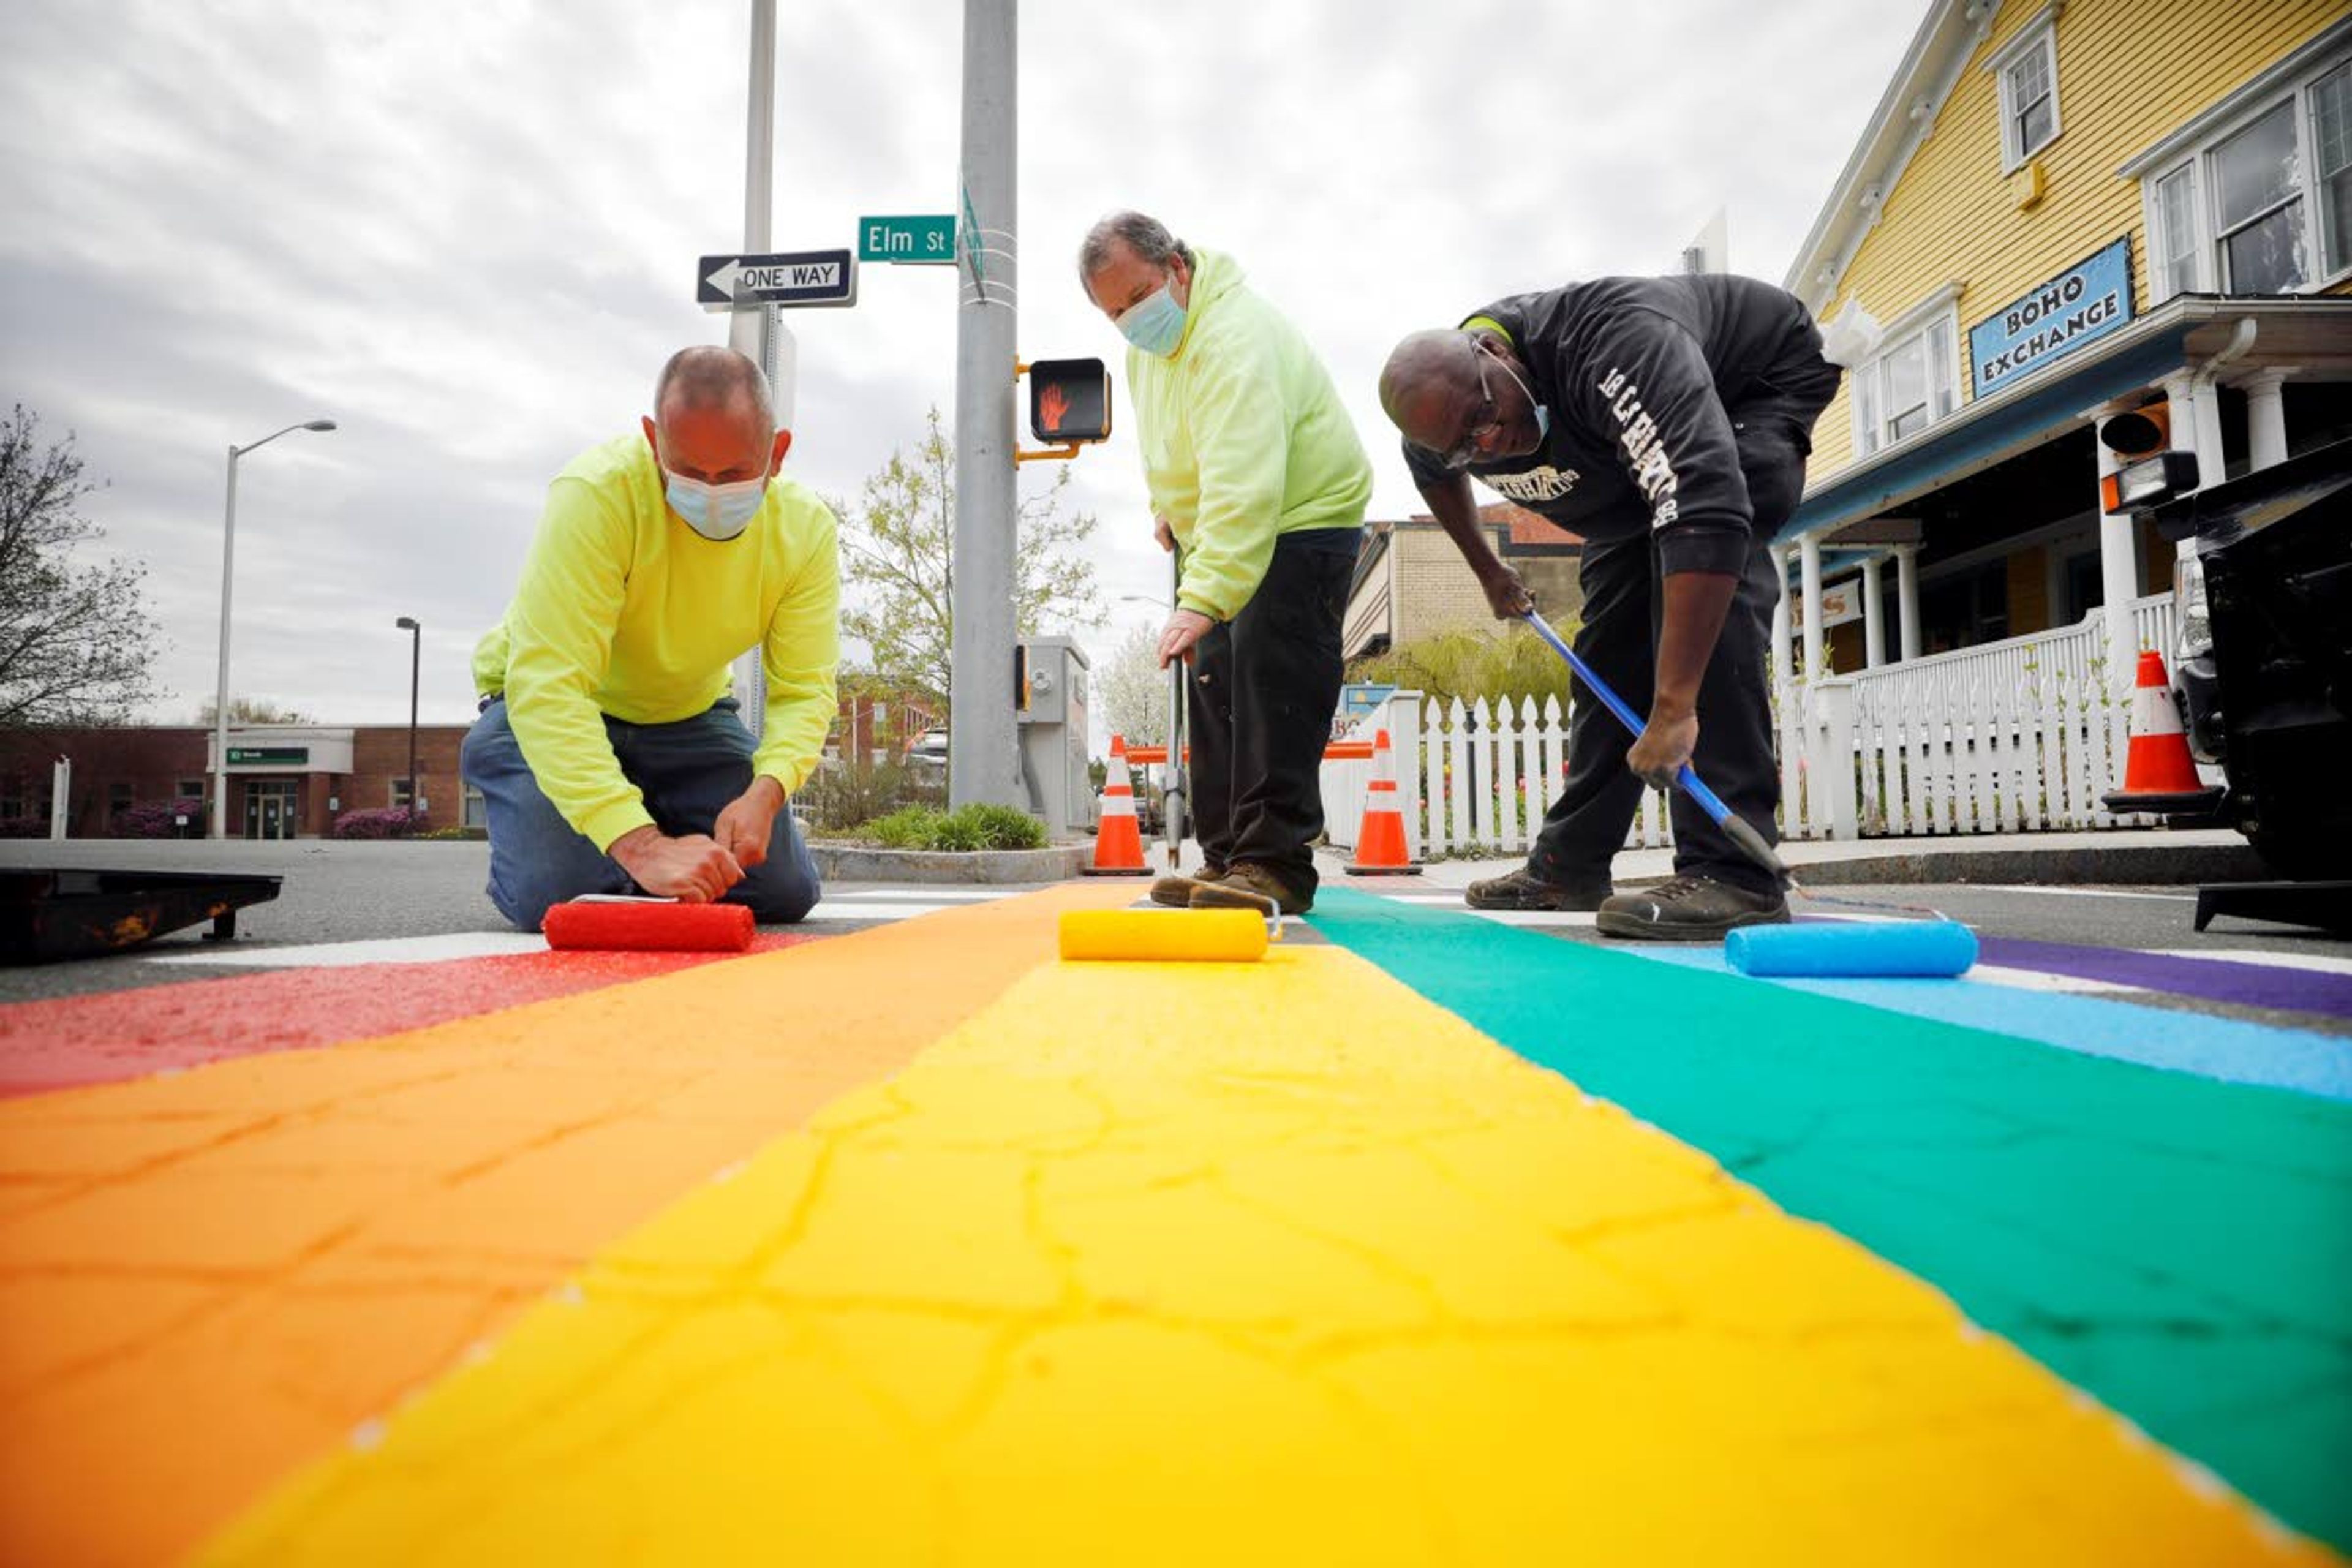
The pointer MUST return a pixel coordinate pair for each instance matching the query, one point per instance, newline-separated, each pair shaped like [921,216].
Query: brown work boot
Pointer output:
[1247,886]
[1523,890]
[1689,908]
[1176,892]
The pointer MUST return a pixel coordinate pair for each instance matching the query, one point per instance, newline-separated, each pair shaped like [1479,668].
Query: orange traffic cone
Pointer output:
[2159,774]
[1119,843]
[1380,841]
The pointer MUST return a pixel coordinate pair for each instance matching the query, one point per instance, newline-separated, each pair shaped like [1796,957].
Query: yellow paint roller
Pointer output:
[1164,936]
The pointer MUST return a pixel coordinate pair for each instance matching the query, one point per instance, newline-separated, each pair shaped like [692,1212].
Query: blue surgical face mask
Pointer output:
[717,513]
[1154,324]
[1543,415]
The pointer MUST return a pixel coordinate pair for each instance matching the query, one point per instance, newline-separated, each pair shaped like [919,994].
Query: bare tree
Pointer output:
[1133,689]
[78,644]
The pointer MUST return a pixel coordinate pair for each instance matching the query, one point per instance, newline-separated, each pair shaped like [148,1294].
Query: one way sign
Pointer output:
[796,278]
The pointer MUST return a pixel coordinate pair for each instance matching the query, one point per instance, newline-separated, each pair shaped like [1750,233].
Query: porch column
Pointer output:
[1809,556]
[2265,418]
[1906,597]
[2180,398]
[1783,671]
[2118,580]
[1873,620]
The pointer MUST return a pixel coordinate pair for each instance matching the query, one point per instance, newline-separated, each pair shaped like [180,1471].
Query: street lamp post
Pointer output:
[228,557]
[415,647]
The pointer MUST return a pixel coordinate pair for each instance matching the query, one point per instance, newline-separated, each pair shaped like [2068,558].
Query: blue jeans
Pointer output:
[688,771]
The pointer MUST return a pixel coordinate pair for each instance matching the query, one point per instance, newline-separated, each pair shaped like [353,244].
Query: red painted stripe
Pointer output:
[74,1041]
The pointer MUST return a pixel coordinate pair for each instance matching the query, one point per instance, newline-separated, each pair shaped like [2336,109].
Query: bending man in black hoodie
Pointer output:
[1668,421]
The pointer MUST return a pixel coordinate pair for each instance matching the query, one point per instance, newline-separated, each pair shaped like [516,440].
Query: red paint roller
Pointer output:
[608,923]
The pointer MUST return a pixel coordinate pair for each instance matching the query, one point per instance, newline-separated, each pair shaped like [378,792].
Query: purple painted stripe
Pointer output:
[2247,985]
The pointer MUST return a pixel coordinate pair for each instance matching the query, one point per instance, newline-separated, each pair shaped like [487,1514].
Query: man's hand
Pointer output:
[1165,534]
[744,827]
[1507,594]
[694,868]
[1663,747]
[1184,628]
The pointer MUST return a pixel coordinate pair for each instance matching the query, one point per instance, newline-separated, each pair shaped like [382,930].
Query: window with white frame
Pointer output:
[1912,382]
[2028,67]
[2262,202]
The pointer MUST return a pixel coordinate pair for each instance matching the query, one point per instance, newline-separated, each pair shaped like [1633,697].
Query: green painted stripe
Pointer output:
[2179,1248]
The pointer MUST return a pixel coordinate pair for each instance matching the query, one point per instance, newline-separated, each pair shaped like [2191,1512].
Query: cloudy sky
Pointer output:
[468,233]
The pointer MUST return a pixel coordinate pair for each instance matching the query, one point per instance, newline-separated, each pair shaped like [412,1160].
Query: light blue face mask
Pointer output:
[1543,415]
[1154,324]
[717,513]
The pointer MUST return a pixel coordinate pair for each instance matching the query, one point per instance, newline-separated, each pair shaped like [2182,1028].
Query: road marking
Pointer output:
[2264,958]
[2079,892]
[343,954]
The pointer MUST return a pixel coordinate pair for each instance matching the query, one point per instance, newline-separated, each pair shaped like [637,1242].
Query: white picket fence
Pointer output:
[2019,736]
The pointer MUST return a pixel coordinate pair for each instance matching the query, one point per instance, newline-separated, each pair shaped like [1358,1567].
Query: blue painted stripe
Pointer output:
[2230,1049]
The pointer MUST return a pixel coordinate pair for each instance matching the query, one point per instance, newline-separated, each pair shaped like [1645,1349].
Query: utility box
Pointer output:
[1050,694]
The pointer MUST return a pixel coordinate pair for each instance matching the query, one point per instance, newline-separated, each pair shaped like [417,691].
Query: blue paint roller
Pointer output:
[1934,948]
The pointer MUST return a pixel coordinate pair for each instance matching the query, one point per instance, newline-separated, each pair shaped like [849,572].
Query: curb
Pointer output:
[858,863]
[2126,865]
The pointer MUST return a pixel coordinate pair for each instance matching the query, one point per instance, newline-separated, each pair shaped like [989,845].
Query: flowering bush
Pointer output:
[152,819]
[386,822]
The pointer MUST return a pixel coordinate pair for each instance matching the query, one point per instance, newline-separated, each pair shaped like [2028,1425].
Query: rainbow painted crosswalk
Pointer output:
[1428,1241]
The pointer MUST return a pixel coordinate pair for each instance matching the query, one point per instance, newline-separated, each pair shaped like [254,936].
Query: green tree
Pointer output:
[897,549]
[78,644]
[1512,663]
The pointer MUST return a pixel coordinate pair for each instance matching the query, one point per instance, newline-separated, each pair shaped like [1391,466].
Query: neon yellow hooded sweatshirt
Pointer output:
[1243,439]
[624,610]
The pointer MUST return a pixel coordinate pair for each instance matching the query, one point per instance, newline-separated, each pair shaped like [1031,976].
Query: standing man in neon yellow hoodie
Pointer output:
[1257,479]
[608,753]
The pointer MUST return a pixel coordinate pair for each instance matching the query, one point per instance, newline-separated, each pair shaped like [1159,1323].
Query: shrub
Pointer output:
[844,795]
[452,833]
[1513,664]
[152,819]
[967,828]
[387,822]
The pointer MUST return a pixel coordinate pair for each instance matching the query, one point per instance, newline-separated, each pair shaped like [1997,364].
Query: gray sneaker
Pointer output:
[1523,890]
[1176,892]
[1688,908]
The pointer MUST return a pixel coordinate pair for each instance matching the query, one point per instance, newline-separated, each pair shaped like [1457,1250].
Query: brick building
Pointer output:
[286,781]
[1410,583]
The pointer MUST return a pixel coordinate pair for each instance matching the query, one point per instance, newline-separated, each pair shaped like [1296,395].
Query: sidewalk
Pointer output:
[2124,855]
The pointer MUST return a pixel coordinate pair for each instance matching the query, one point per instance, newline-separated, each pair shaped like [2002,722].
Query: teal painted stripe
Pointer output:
[2231,1049]
[2179,1248]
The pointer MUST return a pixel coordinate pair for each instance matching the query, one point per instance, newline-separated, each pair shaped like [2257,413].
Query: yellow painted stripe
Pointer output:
[210,1278]
[1249,1264]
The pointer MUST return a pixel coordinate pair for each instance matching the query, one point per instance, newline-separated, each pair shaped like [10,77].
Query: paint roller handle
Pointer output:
[1743,835]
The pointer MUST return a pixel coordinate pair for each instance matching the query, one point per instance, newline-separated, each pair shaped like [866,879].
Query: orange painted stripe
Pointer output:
[208,1279]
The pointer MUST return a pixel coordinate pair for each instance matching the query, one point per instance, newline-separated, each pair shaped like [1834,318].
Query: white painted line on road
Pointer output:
[343,954]
[923,895]
[2074,892]
[2040,980]
[2319,964]
[870,909]
[1555,918]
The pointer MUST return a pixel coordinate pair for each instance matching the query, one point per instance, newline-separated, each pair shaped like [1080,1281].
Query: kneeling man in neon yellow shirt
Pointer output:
[610,755]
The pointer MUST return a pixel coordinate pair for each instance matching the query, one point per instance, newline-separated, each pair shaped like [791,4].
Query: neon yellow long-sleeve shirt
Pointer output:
[1243,439]
[624,610]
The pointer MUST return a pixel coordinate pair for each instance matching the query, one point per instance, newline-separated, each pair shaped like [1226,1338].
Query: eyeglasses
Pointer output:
[1487,420]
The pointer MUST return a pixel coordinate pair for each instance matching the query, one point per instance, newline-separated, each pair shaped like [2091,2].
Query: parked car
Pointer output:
[928,750]
[2262,666]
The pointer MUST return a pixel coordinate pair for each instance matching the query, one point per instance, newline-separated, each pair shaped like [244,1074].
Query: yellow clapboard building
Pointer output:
[2063,211]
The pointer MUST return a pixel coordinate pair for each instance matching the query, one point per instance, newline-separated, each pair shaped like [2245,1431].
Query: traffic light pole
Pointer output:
[983,760]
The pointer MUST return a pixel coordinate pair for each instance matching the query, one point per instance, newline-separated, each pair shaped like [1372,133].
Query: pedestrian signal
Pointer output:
[1070,400]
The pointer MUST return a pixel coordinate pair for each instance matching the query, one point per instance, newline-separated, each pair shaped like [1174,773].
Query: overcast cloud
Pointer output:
[466,231]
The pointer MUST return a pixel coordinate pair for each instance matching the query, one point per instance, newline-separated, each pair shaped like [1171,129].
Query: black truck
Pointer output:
[2262,665]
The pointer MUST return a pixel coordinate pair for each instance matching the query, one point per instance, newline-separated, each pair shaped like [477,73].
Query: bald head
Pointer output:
[713,418]
[1429,381]
[706,376]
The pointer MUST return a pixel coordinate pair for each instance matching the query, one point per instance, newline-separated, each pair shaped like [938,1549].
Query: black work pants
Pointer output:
[1264,687]
[1624,604]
